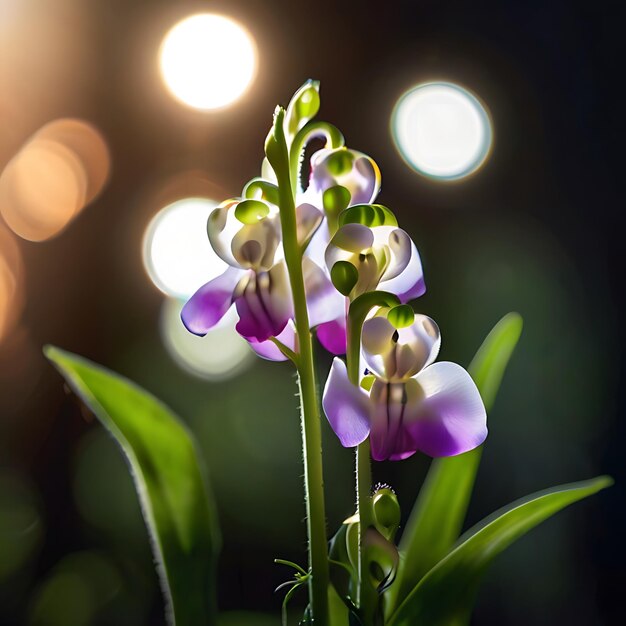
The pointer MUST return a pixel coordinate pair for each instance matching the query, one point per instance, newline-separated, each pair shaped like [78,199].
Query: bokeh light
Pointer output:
[208,61]
[222,353]
[11,283]
[52,178]
[442,130]
[176,250]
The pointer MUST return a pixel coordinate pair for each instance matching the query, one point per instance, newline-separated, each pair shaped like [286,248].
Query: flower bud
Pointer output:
[303,107]
[344,276]
[386,511]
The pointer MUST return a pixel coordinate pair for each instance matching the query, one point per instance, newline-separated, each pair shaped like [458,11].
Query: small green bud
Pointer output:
[369,215]
[401,316]
[275,146]
[336,199]
[386,512]
[344,277]
[260,189]
[251,211]
[303,106]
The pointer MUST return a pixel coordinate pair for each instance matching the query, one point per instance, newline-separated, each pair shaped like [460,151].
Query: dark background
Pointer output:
[537,230]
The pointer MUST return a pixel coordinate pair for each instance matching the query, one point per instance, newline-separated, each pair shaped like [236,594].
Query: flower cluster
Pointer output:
[350,247]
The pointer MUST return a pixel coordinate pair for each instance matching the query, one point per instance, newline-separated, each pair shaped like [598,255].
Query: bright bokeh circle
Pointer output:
[442,130]
[176,251]
[221,354]
[208,61]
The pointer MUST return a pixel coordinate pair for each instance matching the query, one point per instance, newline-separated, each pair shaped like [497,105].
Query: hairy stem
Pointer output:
[309,405]
[367,597]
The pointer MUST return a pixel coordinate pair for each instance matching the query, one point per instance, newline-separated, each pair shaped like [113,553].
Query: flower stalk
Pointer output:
[278,156]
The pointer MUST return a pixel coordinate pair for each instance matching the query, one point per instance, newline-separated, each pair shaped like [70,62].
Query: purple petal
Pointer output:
[389,438]
[332,335]
[346,406]
[447,416]
[269,350]
[324,302]
[264,306]
[209,304]
[409,284]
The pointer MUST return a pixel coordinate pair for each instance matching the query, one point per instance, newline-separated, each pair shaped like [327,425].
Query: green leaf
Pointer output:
[446,594]
[169,478]
[438,514]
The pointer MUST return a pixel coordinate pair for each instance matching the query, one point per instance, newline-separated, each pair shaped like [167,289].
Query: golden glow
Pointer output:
[11,283]
[442,130]
[220,354]
[176,251]
[208,61]
[51,179]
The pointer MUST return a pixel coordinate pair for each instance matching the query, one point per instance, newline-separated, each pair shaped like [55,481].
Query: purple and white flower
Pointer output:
[407,403]
[383,255]
[245,234]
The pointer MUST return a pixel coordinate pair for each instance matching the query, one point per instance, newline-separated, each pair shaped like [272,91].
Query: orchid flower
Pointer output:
[338,179]
[406,403]
[370,252]
[246,235]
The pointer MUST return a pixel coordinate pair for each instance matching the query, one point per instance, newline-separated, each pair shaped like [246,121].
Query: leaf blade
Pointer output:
[438,514]
[446,594]
[169,479]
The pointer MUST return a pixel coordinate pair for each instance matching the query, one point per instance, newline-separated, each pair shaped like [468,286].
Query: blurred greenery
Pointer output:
[21,525]
[77,589]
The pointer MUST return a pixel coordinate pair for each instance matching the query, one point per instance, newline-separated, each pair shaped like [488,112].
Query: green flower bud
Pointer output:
[386,511]
[369,215]
[344,277]
[401,316]
[251,211]
[303,107]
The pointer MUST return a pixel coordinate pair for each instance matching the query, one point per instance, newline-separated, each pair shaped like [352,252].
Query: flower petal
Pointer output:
[389,439]
[209,304]
[409,284]
[308,219]
[448,416]
[397,243]
[318,244]
[265,305]
[346,406]
[268,349]
[398,354]
[324,302]
[353,170]
[332,335]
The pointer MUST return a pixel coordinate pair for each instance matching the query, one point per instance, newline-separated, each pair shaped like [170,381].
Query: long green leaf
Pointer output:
[169,478]
[446,594]
[438,514]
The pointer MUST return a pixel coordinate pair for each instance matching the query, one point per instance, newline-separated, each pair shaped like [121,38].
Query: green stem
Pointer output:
[333,136]
[309,405]
[367,596]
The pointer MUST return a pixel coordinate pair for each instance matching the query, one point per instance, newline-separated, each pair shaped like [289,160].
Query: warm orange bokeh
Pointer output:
[11,283]
[62,168]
